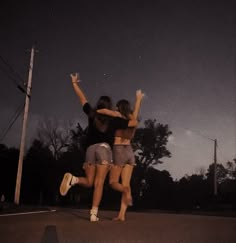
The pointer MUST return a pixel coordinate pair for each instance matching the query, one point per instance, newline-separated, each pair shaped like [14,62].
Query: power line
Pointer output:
[12,75]
[13,79]
[15,116]
[17,80]
[17,75]
[199,134]
[222,156]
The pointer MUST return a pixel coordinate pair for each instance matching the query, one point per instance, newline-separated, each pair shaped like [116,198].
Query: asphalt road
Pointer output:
[73,225]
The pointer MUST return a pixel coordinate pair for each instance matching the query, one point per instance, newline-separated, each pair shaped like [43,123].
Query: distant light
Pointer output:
[189,133]
[171,138]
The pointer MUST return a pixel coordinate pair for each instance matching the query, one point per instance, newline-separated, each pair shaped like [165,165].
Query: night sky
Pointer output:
[180,53]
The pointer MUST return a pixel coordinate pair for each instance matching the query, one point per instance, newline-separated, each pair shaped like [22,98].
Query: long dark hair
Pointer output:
[124,108]
[104,102]
[101,121]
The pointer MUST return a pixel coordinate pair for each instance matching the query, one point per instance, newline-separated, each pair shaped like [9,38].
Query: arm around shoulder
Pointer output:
[109,112]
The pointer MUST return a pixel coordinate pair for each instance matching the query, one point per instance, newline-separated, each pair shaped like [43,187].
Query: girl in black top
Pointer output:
[101,130]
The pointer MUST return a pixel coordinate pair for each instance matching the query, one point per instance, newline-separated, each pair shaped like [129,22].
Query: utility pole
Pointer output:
[215,167]
[215,191]
[23,135]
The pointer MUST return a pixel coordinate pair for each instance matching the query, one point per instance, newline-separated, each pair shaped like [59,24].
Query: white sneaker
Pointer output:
[93,216]
[66,184]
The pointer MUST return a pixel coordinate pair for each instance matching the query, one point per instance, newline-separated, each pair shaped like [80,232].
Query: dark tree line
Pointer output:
[56,151]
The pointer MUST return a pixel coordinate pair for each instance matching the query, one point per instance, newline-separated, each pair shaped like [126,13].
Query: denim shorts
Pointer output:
[123,154]
[99,153]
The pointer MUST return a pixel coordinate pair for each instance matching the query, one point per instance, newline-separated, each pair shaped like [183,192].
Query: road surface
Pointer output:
[73,225]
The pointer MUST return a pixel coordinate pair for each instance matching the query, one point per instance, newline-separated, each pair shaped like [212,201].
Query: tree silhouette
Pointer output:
[38,177]
[159,193]
[192,192]
[149,144]
[227,187]
[221,173]
[55,136]
[78,139]
[231,168]
[9,162]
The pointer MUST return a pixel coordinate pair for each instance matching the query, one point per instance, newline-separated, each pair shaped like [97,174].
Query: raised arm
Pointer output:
[75,82]
[139,97]
[133,123]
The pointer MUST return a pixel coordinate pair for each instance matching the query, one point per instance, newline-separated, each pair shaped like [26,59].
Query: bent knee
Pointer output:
[113,183]
[90,184]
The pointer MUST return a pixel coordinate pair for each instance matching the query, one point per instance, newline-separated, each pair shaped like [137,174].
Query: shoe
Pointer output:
[66,184]
[93,216]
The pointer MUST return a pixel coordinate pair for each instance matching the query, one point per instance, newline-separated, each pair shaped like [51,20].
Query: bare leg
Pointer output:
[115,173]
[114,183]
[101,173]
[69,180]
[89,179]
[126,177]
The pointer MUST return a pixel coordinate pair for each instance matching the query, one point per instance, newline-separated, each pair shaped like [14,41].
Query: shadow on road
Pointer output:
[50,234]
